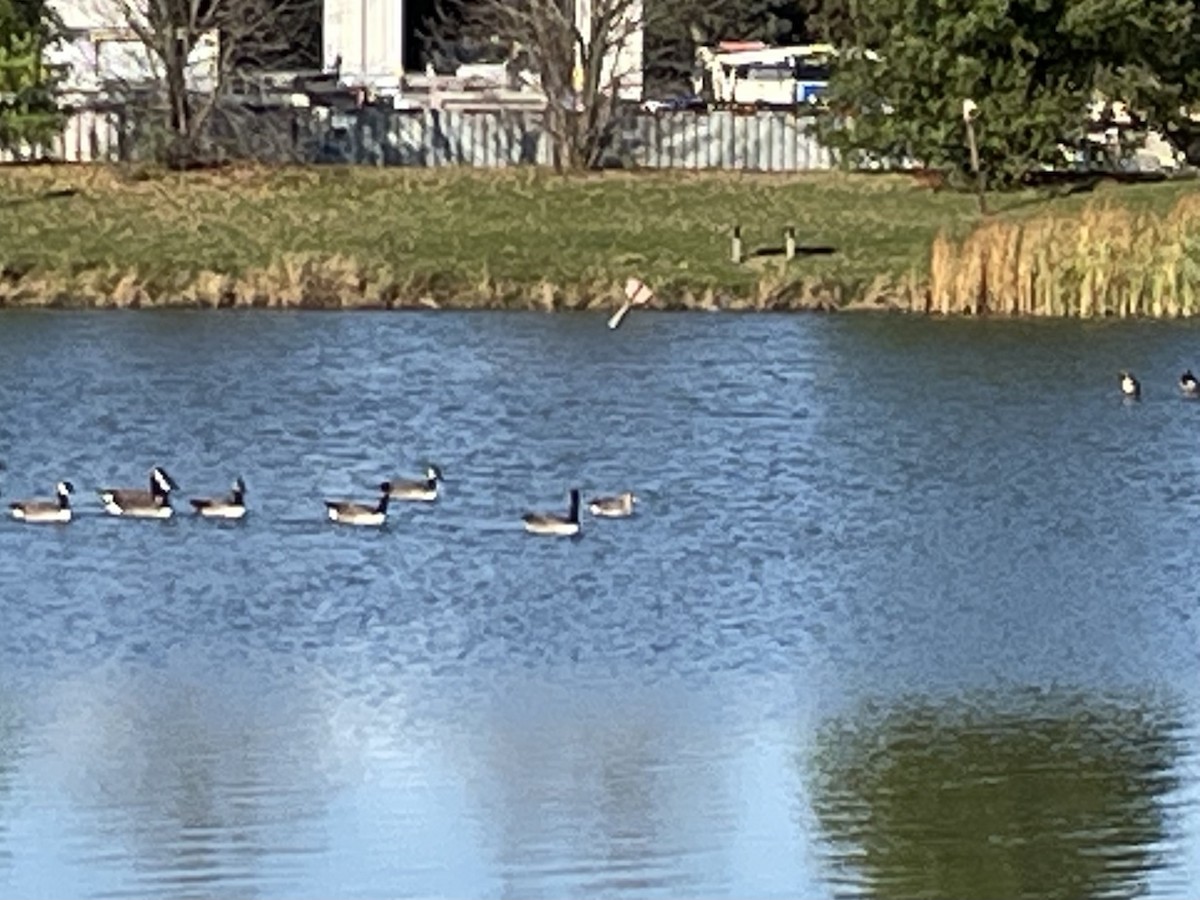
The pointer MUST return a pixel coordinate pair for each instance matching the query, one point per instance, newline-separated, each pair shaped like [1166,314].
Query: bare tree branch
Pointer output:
[186,56]
[587,55]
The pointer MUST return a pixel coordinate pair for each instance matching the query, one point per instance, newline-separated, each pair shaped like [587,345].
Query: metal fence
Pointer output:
[763,141]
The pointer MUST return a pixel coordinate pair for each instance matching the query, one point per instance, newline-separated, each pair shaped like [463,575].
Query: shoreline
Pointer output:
[345,238]
[332,290]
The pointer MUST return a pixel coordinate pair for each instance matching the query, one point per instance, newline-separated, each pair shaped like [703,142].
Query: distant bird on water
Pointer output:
[230,507]
[56,510]
[613,507]
[349,512]
[1130,386]
[425,491]
[553,524]
[154,503]
[1188,383]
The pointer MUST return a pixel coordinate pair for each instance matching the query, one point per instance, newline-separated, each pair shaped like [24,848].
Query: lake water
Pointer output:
[909,608]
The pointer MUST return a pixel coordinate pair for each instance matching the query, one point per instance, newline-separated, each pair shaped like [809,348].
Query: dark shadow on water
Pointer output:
[1036,794]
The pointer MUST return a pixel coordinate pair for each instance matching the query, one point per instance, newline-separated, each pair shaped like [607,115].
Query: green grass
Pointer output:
[458,229]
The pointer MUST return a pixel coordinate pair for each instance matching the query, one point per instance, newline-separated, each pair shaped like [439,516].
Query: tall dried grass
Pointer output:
[317,281]
[1105,261]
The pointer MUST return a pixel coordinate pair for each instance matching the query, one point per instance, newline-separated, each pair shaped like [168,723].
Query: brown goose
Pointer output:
[348,512]
[154,503]
[549,523]
[39,510]
[232,506]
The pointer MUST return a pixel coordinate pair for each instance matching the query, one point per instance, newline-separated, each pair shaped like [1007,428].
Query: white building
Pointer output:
[368,38]
[625,66]
[102,51]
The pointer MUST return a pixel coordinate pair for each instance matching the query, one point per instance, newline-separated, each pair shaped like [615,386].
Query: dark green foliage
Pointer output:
[28,109]
[1034,67]
[671,41]
[829,20]
[1165,86]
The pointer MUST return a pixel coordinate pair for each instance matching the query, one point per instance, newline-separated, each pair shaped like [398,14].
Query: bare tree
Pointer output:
[586,56]
[179,61]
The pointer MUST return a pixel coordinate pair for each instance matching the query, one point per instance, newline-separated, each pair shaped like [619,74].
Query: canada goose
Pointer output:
[426,490]
[548,523]
[613,507]
[348,512]
[1188,383]
[58,510]
[1129,385]
[231,507]
[136,503]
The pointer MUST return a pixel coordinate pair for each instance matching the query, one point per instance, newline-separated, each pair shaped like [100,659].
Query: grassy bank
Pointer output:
[333,237]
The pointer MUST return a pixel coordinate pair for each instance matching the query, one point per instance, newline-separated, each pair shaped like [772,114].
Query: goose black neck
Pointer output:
[573,513]
[163,497]
[383,502]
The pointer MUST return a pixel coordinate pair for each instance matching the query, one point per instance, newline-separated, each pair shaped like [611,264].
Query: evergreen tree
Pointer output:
[1165,86]
[1033,67]
[29,113]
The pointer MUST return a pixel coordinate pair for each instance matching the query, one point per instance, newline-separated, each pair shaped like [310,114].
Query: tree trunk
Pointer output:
[180,149]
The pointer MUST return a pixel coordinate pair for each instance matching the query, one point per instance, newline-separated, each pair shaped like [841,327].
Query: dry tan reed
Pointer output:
[1105,261]
[314,281]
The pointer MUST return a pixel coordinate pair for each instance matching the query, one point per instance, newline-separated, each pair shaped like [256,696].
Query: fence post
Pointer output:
[789,242]
[735,250]
[969,111]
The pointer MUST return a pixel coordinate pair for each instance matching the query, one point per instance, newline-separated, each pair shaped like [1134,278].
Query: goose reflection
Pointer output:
[1037,794]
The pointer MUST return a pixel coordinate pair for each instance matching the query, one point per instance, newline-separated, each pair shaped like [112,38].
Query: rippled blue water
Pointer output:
[908,609]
